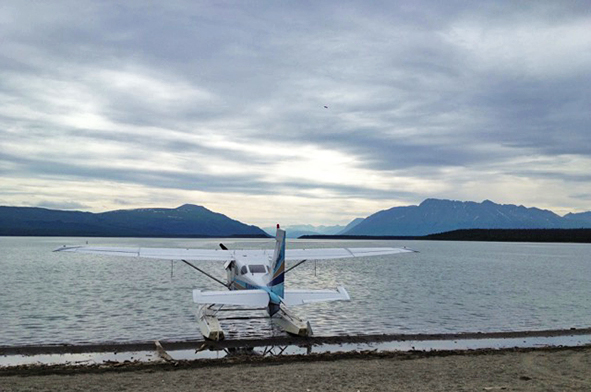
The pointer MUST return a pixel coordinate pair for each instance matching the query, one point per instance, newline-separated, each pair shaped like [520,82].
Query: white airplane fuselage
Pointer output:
[253,275]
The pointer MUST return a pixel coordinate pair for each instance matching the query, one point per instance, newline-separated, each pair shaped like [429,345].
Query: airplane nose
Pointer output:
[256,280]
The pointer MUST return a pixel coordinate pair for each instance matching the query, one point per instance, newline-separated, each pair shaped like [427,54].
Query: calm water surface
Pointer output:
[50,298]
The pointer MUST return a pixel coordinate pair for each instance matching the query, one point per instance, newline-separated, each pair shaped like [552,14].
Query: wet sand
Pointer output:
[542,369]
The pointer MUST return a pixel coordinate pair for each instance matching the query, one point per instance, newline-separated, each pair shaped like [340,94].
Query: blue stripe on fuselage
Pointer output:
[274,298]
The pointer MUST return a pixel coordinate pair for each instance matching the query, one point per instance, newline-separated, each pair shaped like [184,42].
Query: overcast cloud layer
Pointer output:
[143,104]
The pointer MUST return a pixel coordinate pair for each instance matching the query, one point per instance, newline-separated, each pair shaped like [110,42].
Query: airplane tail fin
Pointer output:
[278,264]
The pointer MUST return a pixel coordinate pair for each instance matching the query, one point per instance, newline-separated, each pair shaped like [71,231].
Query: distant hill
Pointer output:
[185,221]
[437,216]
[351,225]
[295,231]
[582,217]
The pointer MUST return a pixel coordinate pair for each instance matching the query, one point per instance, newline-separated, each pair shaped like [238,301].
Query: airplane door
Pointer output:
[231,272]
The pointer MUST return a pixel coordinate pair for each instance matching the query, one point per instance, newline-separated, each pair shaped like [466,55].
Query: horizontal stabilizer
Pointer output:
[301,297]
[254,298]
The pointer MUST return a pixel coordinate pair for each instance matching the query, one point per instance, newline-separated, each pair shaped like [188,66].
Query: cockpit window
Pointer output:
[243,270]
[257,269]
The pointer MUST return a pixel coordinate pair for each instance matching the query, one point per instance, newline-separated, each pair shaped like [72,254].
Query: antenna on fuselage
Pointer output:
[223,246]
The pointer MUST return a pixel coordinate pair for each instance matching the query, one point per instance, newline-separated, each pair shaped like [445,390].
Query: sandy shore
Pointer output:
[557,369]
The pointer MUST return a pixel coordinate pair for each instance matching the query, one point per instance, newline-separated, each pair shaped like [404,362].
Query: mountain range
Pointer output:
[430,217]
[295,231]
[437,216]
[185,221]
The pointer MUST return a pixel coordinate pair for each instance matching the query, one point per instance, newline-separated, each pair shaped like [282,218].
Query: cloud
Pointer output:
[224,104]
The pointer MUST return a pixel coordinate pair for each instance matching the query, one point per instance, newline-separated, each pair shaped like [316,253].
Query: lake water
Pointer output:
[53,298]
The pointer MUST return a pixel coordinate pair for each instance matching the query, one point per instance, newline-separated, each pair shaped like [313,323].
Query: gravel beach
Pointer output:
[542,369]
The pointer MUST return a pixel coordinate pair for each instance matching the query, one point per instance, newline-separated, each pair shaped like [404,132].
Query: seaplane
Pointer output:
[255,279]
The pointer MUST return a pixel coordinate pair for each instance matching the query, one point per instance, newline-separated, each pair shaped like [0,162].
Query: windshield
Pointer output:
[257,269]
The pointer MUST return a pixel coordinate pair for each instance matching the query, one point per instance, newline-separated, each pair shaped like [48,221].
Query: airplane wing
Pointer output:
[340,253]
[154,253]
[301,297]
[255,298]
[225,255]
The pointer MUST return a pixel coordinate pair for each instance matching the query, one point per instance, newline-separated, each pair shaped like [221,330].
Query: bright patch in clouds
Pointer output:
[526,48]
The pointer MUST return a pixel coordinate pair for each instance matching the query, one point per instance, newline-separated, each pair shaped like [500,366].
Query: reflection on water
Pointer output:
[448,287]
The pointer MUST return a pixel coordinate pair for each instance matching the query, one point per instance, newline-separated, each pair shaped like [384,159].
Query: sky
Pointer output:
[294,111]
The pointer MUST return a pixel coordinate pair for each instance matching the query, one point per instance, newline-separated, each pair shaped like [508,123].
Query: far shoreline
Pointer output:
[485,235]
[582,236]
[180,236]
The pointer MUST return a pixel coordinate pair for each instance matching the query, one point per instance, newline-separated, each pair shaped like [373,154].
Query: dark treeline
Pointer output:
[500,235]
[359,237]
[515,235]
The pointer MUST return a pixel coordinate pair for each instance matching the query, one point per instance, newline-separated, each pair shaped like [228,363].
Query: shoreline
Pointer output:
[558,368]
[241,359]
[280,341]
[532,369]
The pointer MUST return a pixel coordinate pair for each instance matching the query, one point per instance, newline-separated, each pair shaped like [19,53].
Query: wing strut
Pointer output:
[205,273]
[293,266]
